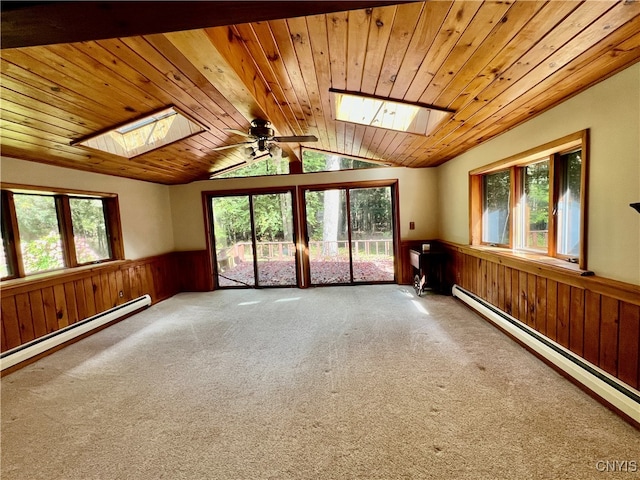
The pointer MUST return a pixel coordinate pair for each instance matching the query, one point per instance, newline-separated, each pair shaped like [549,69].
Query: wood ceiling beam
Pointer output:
[41,23]
[225,62]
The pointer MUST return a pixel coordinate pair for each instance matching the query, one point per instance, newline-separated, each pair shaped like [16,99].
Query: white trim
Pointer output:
[24,352]
[561,357]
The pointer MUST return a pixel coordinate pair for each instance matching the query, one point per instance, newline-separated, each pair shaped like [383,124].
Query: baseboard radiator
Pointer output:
[606,386]
[40,345]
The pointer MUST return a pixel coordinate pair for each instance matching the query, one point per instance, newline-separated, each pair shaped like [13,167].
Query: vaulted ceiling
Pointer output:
[69,70]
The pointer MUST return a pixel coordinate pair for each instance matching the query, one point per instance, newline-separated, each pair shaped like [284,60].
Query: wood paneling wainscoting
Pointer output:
[34,307]
[596,318]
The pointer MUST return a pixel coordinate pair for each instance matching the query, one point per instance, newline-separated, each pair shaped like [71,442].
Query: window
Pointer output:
[317,161]
[46,231]
[496,216]
[534,202]
[145,134]
[260,167]
[40,238]
[398,115]
[89,230]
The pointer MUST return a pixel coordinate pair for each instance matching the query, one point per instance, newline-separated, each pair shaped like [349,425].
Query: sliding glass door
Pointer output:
[329,260]
[253,238]
[350,235]
[371,222]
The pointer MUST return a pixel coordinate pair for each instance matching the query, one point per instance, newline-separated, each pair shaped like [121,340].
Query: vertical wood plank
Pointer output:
[89,297]
[541,305]
[104,290]
[61,306]
[3,340]
[515,293]
[592,327]
[37,313]
[564,307]
[609,318]
[490,283]
[494,284]
[127,284]
[135,282]
[552,310]
[151,284]
[523,311]
[500,283]
[10,325]
[120,287]
[113,289]
[483,279]
[81,301]
[576,321]
[142,275]
[507,290]
[25,319]
[50,311]
[72,308]
[462,270]
[97,293]
[628,355]
[532,283]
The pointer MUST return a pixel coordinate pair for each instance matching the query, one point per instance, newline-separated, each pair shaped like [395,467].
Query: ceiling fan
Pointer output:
[262,138]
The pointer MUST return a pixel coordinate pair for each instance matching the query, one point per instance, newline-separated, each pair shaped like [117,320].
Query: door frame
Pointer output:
[303,272]
[208,196]
[395,218]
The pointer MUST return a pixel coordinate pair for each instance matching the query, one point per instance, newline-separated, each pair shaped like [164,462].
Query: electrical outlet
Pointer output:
[121,294]
[412,225]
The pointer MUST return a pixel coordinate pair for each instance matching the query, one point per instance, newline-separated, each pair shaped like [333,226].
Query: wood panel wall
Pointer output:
[32,308]
[598,319]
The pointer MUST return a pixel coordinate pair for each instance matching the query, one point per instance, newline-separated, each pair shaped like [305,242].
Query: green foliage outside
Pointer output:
[536,188]
[40,240]
[272,218]
[313,161]
[371,212]
[264,166]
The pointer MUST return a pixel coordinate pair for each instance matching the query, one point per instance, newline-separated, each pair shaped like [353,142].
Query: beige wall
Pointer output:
[417,189]
[145,208]
[611,110]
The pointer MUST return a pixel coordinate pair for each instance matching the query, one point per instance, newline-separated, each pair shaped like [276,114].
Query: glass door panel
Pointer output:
[329,256]
[233,241]
[372,234]
[275,248]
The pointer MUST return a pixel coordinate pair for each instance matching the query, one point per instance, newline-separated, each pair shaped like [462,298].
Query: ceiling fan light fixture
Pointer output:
[274,150]
[385,113]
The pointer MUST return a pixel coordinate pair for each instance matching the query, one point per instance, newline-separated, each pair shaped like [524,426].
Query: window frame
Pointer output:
[516,165]
[11,233]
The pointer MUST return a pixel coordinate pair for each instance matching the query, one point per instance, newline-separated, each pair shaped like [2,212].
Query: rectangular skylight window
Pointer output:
[144,134]
[390,114]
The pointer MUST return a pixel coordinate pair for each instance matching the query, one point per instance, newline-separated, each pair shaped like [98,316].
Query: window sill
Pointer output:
[57,275]
[542,260]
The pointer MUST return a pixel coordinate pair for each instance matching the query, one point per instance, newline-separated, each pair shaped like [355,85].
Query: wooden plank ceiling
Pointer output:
[494,63]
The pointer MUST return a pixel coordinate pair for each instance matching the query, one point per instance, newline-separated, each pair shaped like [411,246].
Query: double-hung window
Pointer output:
[46,231]
[534,203]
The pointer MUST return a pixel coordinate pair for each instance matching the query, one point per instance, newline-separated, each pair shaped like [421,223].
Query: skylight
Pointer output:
[389,114]
[144,134]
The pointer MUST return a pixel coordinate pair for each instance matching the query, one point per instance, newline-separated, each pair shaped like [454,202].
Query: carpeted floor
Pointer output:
[365,382]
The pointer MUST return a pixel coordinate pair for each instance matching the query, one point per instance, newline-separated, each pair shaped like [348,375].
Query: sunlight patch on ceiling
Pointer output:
[390,114]
[144,134]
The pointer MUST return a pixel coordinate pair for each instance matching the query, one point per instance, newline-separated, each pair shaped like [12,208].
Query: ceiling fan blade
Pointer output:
[296,139]
[237,132]
[224,147]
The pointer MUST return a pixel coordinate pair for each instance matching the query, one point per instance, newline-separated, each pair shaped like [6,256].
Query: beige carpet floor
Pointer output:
[365,382]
